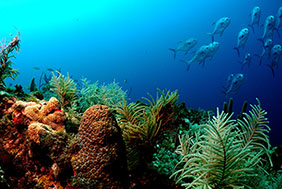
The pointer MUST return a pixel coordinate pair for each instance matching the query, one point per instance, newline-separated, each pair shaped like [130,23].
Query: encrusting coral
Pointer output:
[101,161]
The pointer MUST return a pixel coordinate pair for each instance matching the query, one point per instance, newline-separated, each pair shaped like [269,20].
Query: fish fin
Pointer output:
[186,52]
[203,64]
[252,27]
[260,60]
[174,51]
[221,33]
[212,38]
[237,49]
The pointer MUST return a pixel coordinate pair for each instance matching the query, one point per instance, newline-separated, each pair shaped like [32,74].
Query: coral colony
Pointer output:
[59,136]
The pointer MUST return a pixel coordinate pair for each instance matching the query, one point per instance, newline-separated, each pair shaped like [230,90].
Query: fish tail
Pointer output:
[188,64]
[272,70]
[242,67]
[261,40]
[212,36]
[252,27]
[260,58]
[237,49]
[174,51]
[277,32]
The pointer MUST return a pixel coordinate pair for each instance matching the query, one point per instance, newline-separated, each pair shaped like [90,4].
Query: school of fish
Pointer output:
[270,50]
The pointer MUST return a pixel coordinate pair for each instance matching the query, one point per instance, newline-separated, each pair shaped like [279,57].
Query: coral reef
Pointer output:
[101,161]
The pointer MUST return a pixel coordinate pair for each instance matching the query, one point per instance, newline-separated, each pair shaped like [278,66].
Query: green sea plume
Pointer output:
[143,125]
[6,53]
[64,88]
[225,153]
[110,94]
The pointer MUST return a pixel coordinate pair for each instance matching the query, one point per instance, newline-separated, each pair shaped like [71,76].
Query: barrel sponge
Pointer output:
[101,159]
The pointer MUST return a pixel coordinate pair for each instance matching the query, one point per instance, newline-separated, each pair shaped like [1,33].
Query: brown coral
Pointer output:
[101,159]
[49,113]
[52,105]
[36,129]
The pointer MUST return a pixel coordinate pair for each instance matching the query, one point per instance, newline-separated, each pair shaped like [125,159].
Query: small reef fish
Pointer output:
[36,68]
[50,69]
[255,17]
[242,39]
[219,26]
[247,60]
[267,46]
[185,46]
[213,49]
[278,21]
[276,52]
[268,28]
[234,82]
[200,56]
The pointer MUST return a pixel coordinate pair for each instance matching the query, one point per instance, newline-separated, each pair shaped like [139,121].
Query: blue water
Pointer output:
[126,39]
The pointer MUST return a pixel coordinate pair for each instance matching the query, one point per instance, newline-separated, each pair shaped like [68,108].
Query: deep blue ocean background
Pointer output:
[129,40]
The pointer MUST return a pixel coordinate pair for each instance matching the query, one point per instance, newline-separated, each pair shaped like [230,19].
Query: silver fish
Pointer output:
[219,26]
[185,46]
[234,82]
[200,56]
[242,39]
[268,27]
[276,52]
[214,46]
[255,17]
[278,21]
[267,46]
[247,60]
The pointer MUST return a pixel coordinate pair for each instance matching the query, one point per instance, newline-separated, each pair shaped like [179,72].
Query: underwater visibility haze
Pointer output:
[209,51]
